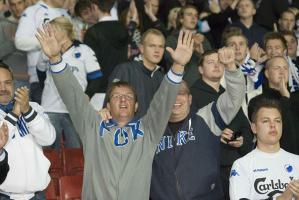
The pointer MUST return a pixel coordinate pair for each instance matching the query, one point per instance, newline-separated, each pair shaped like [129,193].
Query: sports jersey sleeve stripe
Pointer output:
[30,115]
[58,67]
[174,78]
[94,75]
[218,119]
[12,118]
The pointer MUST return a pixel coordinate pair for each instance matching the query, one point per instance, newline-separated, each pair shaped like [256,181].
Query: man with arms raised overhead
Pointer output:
[118,154]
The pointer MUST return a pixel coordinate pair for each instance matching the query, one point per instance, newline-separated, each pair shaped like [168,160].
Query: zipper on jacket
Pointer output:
[178,187]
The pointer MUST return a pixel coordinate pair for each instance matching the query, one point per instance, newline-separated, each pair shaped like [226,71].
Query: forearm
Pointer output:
[230,101]
[81,112]
[27,43]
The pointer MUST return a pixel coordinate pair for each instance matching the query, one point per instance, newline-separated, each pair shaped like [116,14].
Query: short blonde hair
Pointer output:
[64,24]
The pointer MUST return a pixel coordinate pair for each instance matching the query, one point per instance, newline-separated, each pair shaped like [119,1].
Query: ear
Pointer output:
[253,128]
[200,69]
[267,73]
[190,99]
[141,48]
[136,106]
[108,106]
[285,52]
[254,11]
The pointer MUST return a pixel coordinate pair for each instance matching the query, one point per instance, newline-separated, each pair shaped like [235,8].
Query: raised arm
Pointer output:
[218,115]
[160,108]
[81,112]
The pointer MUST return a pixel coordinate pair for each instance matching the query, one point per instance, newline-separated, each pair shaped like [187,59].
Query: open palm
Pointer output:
[49,44]
[183,52]
[3,135]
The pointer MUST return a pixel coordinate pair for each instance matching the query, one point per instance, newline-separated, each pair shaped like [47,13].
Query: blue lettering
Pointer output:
[120,135]
[135,130]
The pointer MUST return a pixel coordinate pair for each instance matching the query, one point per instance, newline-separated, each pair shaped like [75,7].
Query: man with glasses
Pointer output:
[118,153]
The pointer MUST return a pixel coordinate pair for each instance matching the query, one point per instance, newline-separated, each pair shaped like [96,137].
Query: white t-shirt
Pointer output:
[84,65]
[260,175]
[32,18]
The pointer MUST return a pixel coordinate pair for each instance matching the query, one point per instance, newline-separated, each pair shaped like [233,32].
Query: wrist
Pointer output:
[178,68]
[231,66]
[55,59]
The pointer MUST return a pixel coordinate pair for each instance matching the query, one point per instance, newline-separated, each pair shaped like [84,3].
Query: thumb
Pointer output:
[170,50]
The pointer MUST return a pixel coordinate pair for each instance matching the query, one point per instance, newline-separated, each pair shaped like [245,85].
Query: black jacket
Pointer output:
[202,95]
[290,134]
[109,40]
[4,168]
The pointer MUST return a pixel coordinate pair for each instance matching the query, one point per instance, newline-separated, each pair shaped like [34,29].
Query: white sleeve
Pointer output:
[39,125]
[25,39]
[239,183]
[92,65]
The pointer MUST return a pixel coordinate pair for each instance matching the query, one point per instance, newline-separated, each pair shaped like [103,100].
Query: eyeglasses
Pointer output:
[128,97]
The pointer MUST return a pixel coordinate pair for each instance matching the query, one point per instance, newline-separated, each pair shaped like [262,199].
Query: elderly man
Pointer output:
[119,153]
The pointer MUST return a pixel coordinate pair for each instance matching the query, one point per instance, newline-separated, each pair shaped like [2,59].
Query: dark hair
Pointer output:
[206,53]
[5,66]
[252,2]
[275,36]
[266,100]
[231,32]
[82,5]
[105,5]
[290,33]
[119,84]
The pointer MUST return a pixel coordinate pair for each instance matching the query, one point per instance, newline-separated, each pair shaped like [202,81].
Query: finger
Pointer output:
[170,50]
[228,131]
[189,38]
[223,141]
[180,39]
[191,44]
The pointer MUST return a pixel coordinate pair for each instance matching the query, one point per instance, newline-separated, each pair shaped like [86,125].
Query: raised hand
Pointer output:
[183,52]
[294,187]
[148,8]
[49,43]
[22,98]
[3,135]
[133,10]
[283,89]
[227,57]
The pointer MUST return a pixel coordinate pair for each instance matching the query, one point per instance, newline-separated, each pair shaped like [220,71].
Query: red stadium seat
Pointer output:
[56,168]
[73,161]
[70,187]
[51,191]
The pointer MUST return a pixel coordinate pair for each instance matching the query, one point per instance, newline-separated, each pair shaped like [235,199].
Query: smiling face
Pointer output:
[122,104]
[181,108]
[268,128]
[6,86]
[275,47]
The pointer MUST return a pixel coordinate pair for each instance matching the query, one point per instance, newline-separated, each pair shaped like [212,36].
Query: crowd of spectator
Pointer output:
[201,97]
